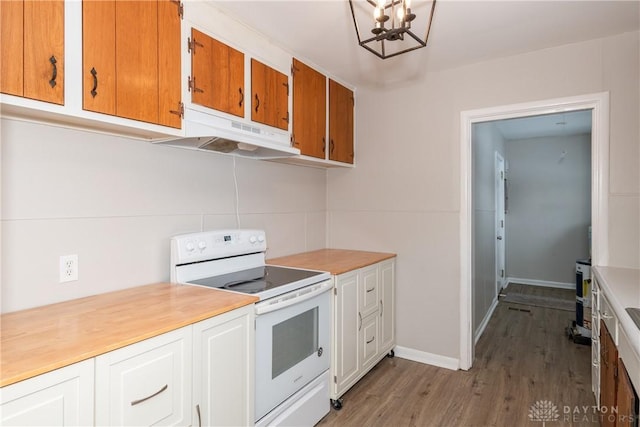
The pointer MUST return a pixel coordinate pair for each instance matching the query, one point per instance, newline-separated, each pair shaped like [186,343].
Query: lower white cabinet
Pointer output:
[63,397]
[363,323]
[147,383]
[223,369]
[200,375]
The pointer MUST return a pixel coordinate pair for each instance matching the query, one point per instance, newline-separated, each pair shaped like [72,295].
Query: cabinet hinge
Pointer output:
[180,8]
[179,111]
[191,45]
[287,86]
[191,85]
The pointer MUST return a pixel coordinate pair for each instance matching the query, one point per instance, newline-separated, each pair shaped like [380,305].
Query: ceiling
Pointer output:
[548,125]
[463,32]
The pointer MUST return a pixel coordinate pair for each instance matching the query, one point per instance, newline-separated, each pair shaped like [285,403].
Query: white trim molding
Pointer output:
[598,103]
[543,283]
[427,358]
[483,325]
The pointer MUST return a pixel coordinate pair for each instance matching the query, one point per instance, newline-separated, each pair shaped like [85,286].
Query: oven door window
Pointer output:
[294,340]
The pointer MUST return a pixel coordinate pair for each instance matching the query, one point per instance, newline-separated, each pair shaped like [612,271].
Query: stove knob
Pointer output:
[252,239]
[261,238]
[202,245]
[189,246]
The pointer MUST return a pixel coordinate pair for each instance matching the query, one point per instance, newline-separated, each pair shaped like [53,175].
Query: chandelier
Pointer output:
[390,23]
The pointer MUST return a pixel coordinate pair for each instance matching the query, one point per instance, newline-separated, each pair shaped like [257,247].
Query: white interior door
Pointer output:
[500,180]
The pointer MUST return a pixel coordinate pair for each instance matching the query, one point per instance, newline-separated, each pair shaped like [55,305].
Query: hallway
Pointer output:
[523,359]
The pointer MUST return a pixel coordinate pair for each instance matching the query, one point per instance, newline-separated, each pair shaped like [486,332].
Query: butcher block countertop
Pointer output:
[335,261]
[42,339]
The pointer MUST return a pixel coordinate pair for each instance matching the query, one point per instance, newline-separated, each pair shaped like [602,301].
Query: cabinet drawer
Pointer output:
[369,292]
[147,383]
[609,318]
[369,340]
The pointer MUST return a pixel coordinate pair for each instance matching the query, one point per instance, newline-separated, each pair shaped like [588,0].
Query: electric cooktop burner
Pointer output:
[256,280]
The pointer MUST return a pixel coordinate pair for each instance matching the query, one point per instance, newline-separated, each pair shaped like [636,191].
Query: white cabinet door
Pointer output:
[63,397]
[147,383]
[223,363]
[387,306]
[347,323]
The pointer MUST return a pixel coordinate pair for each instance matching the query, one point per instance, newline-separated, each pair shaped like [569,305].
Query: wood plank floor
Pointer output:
[523,357]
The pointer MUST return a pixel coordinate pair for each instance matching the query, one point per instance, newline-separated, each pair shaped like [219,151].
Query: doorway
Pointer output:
[598,104]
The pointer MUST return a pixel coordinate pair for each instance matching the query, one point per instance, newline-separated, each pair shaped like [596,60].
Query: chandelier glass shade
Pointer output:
[388,28]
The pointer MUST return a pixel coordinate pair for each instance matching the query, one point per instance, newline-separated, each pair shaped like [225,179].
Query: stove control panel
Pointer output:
[211,245]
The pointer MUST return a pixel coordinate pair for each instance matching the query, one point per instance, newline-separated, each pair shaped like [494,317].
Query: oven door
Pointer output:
[292,345]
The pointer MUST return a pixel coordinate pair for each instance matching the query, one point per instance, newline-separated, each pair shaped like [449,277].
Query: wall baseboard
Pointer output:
[545,283]
[485,321]
[427,358]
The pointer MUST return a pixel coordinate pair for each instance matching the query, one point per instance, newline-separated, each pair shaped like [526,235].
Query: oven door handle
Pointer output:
[298,296]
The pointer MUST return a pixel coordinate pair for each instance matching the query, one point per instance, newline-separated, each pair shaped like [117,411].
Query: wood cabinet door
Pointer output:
[258,92]
[44,50]
[137,60]
[217,71]
[99,56]
[341,103]
[270,96]
[11,54]
[608,366]
[169,64]
[227,79]
[309,110]
[626,398]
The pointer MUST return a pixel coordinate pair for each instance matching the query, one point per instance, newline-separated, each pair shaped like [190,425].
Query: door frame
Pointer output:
[598,103]
[500,190]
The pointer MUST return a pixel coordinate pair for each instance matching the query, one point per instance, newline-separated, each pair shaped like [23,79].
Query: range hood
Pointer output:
[209,132]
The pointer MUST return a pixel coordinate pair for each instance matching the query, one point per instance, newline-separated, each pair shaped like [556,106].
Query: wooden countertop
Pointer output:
[335,261]
[42,339]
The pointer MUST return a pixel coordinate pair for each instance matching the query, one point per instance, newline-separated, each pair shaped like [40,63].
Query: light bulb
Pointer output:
[407,4]
[381,3]
[376,13]
[400,14]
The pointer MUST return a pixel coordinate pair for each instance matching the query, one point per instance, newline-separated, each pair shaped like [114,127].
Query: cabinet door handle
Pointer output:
[371,290]
[371,340]
[257,102]
[333,145]
[54,72]
[360,321]
[137,401]
[381,308]
[606,315]
[94,73]
[199,417]
[241,97]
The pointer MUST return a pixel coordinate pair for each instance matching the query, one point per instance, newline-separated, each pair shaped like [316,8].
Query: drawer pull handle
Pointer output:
[371,340]
[94,73]
[371,290]
[135,402]
[54,72]
[199,417]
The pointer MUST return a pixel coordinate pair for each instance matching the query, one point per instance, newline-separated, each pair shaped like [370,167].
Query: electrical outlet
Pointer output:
[68,268]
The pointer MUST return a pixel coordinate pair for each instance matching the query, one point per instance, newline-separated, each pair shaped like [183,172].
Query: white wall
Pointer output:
[404,194]
[487,140]
[116,202]
[549,207]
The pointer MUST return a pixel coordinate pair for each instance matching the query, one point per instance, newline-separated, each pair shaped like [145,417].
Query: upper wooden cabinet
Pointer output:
[217,74]
[131,59]
[270,96]
[32,49]
[309,110]
[341,104]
